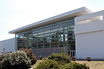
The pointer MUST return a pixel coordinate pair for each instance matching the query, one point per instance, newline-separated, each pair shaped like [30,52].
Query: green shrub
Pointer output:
[16,60]
[79,66]
[30,55]
[67,66]
[61,58]
[48,64]
[74,65]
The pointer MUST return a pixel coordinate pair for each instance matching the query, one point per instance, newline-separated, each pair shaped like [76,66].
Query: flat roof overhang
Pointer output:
[73,13]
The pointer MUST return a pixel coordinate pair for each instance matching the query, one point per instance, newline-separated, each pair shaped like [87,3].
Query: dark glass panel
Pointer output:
[55,35]
[46,45]
[54,44]
[40,45]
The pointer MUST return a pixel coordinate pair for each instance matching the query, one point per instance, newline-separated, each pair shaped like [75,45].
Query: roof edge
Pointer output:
[69,13]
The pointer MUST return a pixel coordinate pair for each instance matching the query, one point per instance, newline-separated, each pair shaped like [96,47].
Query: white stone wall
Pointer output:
[90,44]
[8,45]
[89,36]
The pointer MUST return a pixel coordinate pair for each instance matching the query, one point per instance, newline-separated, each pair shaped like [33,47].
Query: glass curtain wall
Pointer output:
[53,35]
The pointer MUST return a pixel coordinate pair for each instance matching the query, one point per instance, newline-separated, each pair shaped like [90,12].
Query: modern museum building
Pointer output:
[79,33]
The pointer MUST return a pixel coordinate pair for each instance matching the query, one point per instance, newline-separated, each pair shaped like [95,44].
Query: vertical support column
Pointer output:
[58,38]
[51,40]
[43,40]
[15,42]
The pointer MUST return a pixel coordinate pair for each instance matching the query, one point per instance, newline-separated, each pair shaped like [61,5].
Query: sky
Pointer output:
[18,13]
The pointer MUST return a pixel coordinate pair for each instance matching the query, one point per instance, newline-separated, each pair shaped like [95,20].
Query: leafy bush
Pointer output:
[47,64]
[74,65]
[2,57]
[61,58]
[67,66]
[33,59]
[30,55]
[16,60]
[80,66]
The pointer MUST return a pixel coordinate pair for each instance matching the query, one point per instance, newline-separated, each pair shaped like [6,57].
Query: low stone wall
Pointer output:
[42,52]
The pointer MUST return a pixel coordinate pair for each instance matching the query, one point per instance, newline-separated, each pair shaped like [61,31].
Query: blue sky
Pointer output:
[18,13]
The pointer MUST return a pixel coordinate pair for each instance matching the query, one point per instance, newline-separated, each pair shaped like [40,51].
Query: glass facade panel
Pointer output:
[57,34]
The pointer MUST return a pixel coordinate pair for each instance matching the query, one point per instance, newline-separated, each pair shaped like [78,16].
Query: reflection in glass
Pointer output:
[53,35]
